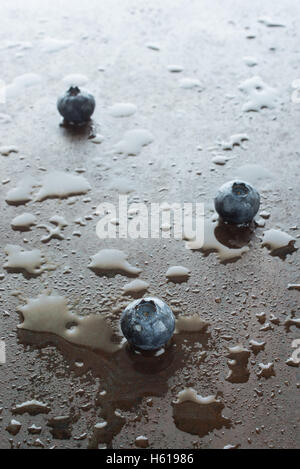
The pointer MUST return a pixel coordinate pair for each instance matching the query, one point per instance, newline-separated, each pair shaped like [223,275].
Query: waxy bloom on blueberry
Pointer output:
[237,202]
[148,323]
[76,106]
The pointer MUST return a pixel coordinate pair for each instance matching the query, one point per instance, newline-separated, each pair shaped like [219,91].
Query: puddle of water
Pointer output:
[122,185]
[192,323]
[61,427]
[238,364]
[21,83]
[122,110]
[292,361]
[104,431]
[24,222]
[58,184]
[212,244]
[250,61]
[51,314]
[14,427]
[59,223]
[234,140]
[153,46]
[141,442]
[264,214]
[32,407]
[112,260]
[220,160]
[271,23]
[97,139]
[126,376]
[22,193]
[294,286]
[75,79]
[19,45]
[18,260]
[6,150]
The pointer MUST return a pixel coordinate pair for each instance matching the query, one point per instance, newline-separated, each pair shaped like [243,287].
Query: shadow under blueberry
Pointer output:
[24,272]
[110,274]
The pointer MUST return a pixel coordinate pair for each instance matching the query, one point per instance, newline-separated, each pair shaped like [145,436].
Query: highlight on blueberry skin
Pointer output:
[148,324]
[237,202]
[76,106]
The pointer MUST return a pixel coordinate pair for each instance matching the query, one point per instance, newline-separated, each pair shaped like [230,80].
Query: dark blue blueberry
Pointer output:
[148,324]
[76,106]
[237,202]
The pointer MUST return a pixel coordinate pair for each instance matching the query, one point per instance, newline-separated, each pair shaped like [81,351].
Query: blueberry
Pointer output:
[237,202]
[76,106]
[148,323]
